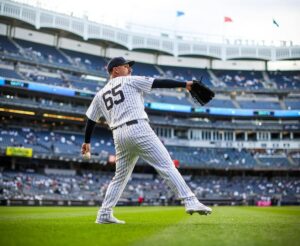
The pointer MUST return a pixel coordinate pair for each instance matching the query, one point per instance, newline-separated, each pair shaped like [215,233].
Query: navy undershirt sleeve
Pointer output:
[89,127]
[168,83]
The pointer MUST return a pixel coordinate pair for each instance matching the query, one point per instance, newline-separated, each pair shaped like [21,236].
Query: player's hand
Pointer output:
[85,148]
[86,151]
[189,85]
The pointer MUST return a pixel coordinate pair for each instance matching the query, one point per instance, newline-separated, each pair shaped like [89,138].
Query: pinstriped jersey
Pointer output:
[121,100]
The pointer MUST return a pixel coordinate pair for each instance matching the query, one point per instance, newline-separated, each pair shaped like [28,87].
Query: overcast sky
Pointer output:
[251,19]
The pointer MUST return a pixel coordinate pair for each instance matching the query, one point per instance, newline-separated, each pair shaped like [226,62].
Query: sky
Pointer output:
[203,19]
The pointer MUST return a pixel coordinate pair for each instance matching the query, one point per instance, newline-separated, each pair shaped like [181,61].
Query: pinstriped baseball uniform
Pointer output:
[121,103]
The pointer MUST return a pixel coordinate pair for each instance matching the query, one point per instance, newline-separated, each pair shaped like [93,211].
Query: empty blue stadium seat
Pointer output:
[184,73]
[244,79]
[255,104]
[285,79]
[43,52]
[90,62]
[7,45]
[11,74]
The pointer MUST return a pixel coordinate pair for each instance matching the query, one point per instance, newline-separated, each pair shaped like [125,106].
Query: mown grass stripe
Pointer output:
[232,226]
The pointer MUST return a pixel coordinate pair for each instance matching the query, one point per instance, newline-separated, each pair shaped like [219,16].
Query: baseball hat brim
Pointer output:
[130,63]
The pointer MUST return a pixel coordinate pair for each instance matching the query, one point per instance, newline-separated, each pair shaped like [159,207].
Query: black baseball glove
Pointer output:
[201,93]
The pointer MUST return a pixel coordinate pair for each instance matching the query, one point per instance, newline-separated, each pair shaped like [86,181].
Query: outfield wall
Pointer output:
[20,202]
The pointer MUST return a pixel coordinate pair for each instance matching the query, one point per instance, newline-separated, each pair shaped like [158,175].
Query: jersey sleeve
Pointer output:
[142,83]
[94,111]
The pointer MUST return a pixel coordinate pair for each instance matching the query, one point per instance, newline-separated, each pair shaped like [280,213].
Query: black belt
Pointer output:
[132,122]
[128,123]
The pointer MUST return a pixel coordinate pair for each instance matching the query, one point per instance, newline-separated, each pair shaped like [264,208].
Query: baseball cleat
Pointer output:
[109,219]
[200,209]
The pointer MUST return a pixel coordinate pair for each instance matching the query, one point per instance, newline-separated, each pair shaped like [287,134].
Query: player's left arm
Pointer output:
[147,83]
[171,83]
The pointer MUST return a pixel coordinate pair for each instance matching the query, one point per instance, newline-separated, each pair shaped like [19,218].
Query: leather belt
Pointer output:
[132,122]
[128,123]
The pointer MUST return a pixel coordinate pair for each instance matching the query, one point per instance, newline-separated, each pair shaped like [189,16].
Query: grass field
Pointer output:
[150,226]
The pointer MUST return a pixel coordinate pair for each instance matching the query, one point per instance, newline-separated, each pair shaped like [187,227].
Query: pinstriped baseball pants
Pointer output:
[132,142]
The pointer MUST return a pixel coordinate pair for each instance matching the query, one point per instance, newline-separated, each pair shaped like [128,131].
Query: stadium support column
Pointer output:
[9,31]
[104,50]
[172,133]
[156,58]
[266,66]
[56,41]
[13,163]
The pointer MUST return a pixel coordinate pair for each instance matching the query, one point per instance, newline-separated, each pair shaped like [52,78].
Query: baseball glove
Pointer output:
[201,93]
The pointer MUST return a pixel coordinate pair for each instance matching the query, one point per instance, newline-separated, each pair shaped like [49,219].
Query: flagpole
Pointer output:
[175,27]
[223,30]
[225,20]
[276,31]
[178,15]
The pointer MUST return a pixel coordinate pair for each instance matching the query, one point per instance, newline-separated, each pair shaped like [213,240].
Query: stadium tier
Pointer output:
[292,104]
[34,186]
[86,61]
[286,79]
[41,52]
[144,69]
[8,73]
[7,46]
[182,73]
[247,79]
[256,104]
[64,144]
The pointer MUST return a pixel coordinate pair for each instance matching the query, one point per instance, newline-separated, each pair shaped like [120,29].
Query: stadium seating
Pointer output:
[157,97]
[292,104]
[182,73]
[68,144]
[92,186]
[53,143]
[243,79]
[87,61]
[7,46]
[11,74]
[216,158]
[221,103]
[43,53]
[42,103]
[274,161]
[143,69]
[59,78]
[256,104]
[285,79]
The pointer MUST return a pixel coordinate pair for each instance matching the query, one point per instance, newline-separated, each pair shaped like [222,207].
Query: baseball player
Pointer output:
[122,105]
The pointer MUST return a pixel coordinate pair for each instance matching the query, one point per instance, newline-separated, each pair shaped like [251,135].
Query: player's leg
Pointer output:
[154,152]
[115,190]
[125,162]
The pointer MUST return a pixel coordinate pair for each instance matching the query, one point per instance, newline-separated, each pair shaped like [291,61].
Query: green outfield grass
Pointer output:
[150,226]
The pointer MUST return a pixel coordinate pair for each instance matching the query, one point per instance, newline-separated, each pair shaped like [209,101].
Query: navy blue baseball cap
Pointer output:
[118,61]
